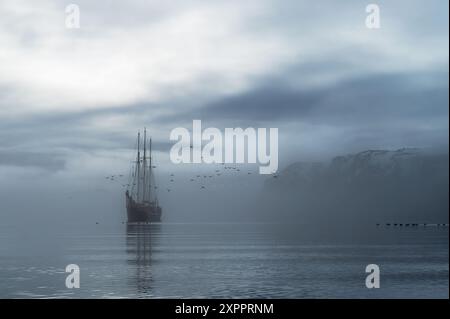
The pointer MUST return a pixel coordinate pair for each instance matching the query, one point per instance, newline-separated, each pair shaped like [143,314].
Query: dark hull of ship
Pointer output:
[142,212]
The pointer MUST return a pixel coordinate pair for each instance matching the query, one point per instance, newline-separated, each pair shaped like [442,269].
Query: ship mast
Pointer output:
[138,164]
[150,169]
[144,167]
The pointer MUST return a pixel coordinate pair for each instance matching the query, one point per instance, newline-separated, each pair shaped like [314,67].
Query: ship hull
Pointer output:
[142,212]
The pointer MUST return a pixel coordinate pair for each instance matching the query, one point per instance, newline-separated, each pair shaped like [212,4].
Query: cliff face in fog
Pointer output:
[406,185]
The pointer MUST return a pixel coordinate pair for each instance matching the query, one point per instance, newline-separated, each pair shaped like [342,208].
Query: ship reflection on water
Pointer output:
[139,242]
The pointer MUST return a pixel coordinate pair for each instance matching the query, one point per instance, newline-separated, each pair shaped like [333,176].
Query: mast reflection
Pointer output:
[139,251]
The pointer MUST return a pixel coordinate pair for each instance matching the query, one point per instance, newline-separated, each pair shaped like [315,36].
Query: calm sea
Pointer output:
[178,260]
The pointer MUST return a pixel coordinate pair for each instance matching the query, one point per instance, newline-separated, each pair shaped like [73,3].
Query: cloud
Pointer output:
[47,161]
[358,101]
[126,53]
[304,67]
[50,68]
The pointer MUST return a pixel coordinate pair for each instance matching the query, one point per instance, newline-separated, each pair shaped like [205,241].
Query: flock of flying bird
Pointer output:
[115,178]
[216,173]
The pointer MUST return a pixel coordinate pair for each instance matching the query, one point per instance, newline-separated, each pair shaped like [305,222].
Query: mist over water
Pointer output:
[243,235]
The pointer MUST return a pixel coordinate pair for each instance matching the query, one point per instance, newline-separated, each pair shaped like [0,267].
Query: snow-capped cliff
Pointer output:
[374,185]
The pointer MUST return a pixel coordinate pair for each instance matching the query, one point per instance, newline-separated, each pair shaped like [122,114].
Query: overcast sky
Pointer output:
[71,100]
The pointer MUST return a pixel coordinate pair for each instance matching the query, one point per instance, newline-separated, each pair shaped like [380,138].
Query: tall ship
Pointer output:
[141,200]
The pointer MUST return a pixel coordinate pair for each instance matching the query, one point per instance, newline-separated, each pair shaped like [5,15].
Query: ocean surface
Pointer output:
[189,260]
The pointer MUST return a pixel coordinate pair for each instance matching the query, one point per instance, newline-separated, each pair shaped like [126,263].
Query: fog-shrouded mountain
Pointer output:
[374,186]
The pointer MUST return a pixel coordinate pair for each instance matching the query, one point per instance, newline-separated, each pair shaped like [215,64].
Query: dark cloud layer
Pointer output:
[355,102]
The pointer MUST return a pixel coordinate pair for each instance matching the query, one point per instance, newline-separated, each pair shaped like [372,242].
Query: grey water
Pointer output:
[207,260]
